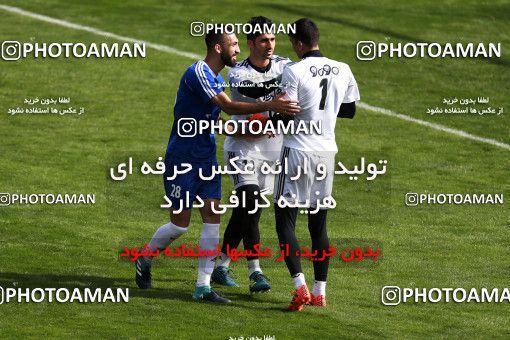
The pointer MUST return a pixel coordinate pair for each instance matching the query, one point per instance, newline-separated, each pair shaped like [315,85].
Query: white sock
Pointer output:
[319,288]
[254,266]
[223,260]
[209,238]
[299,280]
[165,235]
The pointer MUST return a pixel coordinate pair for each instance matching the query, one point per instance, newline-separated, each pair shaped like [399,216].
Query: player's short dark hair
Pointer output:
[212,39]
[306,31]
[257,21]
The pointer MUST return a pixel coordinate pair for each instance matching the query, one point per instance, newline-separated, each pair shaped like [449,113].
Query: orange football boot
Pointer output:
[318,300]
[301,297]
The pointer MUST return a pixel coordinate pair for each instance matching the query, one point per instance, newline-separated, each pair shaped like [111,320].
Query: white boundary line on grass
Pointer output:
[96,31]
[435,126]
[168,49]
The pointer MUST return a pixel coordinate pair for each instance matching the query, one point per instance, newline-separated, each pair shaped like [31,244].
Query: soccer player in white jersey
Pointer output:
[326,89]
[255,79]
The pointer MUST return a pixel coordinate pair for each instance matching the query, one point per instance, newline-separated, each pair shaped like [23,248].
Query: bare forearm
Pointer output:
[240,108]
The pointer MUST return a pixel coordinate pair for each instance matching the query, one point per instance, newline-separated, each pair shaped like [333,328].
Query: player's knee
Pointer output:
[209,211]
[210,217]
[320,238]
[320,243]
[181,219]
[283,231]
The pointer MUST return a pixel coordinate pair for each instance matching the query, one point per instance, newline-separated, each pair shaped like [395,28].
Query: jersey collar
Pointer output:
[210,69]
[314,53]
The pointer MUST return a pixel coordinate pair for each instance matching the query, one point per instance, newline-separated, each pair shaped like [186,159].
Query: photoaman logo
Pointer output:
[63,295]
[369,50]
[15,50]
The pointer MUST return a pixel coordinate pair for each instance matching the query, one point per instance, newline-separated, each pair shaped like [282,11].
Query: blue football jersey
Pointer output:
[197,86]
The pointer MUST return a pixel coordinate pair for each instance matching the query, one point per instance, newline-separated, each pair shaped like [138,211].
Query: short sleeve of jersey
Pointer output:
[202,81]
[352,93]
[290,83]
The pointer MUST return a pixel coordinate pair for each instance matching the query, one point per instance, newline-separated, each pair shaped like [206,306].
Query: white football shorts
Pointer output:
[265,182]
[304,181]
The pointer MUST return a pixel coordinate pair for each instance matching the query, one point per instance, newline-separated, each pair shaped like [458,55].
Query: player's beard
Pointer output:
[268,54]
[227,59]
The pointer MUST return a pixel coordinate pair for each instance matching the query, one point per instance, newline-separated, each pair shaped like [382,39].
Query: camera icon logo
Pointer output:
[366,50]
[411,199]
[391,295]
[187,127]
[5,199]
[11,50]
[197,29]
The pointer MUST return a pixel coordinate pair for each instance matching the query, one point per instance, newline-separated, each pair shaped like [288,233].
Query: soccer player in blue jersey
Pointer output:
[200,96]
